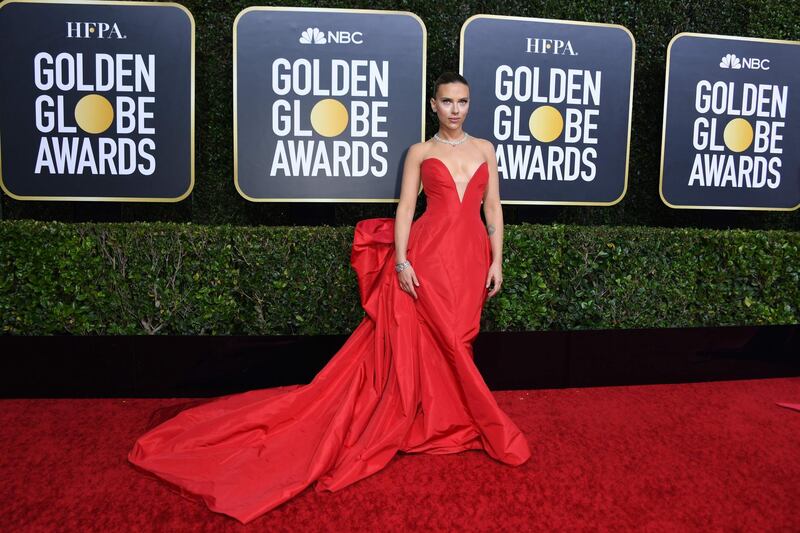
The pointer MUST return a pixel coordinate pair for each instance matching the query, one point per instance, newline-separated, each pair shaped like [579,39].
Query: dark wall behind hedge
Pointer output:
[653,23]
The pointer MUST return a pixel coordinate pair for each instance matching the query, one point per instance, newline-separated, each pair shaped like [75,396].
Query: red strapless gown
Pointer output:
[404,381]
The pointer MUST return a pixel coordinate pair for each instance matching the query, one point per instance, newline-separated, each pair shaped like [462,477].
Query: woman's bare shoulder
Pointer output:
[417,151]
[485,146]
[483,143]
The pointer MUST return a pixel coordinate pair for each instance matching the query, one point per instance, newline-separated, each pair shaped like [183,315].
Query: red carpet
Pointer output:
[691,457]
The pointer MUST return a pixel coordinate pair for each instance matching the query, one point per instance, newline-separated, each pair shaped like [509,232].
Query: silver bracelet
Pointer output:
[399,267]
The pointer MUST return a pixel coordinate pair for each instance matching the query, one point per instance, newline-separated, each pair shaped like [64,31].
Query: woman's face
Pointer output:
[451,104]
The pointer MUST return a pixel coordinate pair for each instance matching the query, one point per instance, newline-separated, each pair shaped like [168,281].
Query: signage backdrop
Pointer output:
[96,101]
[731,123]
[326,102]
[554,97]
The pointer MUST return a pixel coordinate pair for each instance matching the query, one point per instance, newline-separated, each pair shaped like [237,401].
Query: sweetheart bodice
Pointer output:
[441,191]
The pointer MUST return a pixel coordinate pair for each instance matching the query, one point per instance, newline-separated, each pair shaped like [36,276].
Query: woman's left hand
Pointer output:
[495,275]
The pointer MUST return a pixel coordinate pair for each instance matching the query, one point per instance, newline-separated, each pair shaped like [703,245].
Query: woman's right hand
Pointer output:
[408,280]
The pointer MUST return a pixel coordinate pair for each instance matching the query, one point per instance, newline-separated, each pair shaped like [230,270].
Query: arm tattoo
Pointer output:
[490,228]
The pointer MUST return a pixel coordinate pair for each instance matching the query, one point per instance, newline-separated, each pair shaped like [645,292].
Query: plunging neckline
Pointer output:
[455,185]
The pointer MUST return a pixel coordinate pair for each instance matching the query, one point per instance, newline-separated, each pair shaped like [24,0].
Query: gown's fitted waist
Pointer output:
[468,220]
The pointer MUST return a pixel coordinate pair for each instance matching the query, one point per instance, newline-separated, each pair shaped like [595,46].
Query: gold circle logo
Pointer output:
[94,113]
[329,117]
[738,135]
[546,123]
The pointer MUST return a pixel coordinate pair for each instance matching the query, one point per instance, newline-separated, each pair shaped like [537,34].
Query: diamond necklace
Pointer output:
[451,143]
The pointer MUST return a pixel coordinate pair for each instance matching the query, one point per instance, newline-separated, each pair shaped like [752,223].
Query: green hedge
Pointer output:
[652,22]
[166,278]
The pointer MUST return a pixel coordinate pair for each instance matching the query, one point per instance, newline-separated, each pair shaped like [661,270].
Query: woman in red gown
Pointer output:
[404,381]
